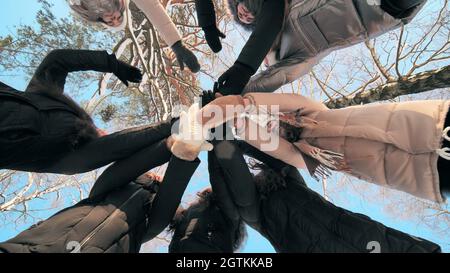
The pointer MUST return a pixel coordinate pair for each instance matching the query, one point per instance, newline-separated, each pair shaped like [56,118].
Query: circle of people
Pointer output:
[401,145]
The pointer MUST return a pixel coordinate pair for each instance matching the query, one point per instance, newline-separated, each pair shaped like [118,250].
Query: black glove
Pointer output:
[127,73]
[400,8]
[185,56]
[123,71]
[234,80]
[207,97]
[212,36]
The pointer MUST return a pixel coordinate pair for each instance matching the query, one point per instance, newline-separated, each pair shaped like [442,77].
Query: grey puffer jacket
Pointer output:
[314,28]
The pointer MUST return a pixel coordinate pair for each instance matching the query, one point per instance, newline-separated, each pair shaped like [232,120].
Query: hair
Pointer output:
[206,199]
[254,6]
[93,10]
[84,130]
[267,180]
[290,132]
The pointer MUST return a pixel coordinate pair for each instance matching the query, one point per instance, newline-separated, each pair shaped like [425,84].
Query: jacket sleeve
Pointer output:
[107,149]
[286,102]
[284,72]
[220,189]
[239,180]
[158,16]
[276,228]
[126,170]
[206,13]
[264,35]
[272,144]
[273,163]
[55,67]
[340,230]
[168,198]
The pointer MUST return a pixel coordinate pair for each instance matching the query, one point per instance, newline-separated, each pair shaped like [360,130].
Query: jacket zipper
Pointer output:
[107,220]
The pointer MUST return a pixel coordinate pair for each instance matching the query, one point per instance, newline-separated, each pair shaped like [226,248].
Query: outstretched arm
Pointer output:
[158,16]
[273,163]
[282,73]
[206,13]
[285,103]
[227,108]
[168,198]
[271,144]
[206,16]
[124,171]
[220,189]
[269,24]
[59,63]
[104,150]
[251,151]
[238,180]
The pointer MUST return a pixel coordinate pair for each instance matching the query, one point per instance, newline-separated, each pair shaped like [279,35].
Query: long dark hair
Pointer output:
[267,180]
[84,130]
[207,199]
[289,132]
[254,6]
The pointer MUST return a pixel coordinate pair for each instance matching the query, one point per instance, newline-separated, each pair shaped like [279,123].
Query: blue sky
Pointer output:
[14,13]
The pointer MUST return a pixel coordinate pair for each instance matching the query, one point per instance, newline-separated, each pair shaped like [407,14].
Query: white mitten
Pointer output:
[191,139]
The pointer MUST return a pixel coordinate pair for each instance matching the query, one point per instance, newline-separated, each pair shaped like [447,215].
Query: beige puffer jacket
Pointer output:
[390,144]
[158,16]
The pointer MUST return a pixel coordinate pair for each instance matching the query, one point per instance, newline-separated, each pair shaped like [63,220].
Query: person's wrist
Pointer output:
[176,46]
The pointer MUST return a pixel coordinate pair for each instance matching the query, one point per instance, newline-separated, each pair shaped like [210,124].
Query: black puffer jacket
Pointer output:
[42,130]
[296,219]
[119,215]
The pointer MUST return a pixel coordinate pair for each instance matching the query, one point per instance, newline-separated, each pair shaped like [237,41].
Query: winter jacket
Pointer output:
[314,28]
[42,130]
[119,215]
[158,16]
[269,16]
[394,145]
[296,219]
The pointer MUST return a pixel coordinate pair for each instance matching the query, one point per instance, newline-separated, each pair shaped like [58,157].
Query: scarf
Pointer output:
[319,162]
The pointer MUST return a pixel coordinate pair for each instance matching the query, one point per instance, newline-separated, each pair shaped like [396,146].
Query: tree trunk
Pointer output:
[418,83]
